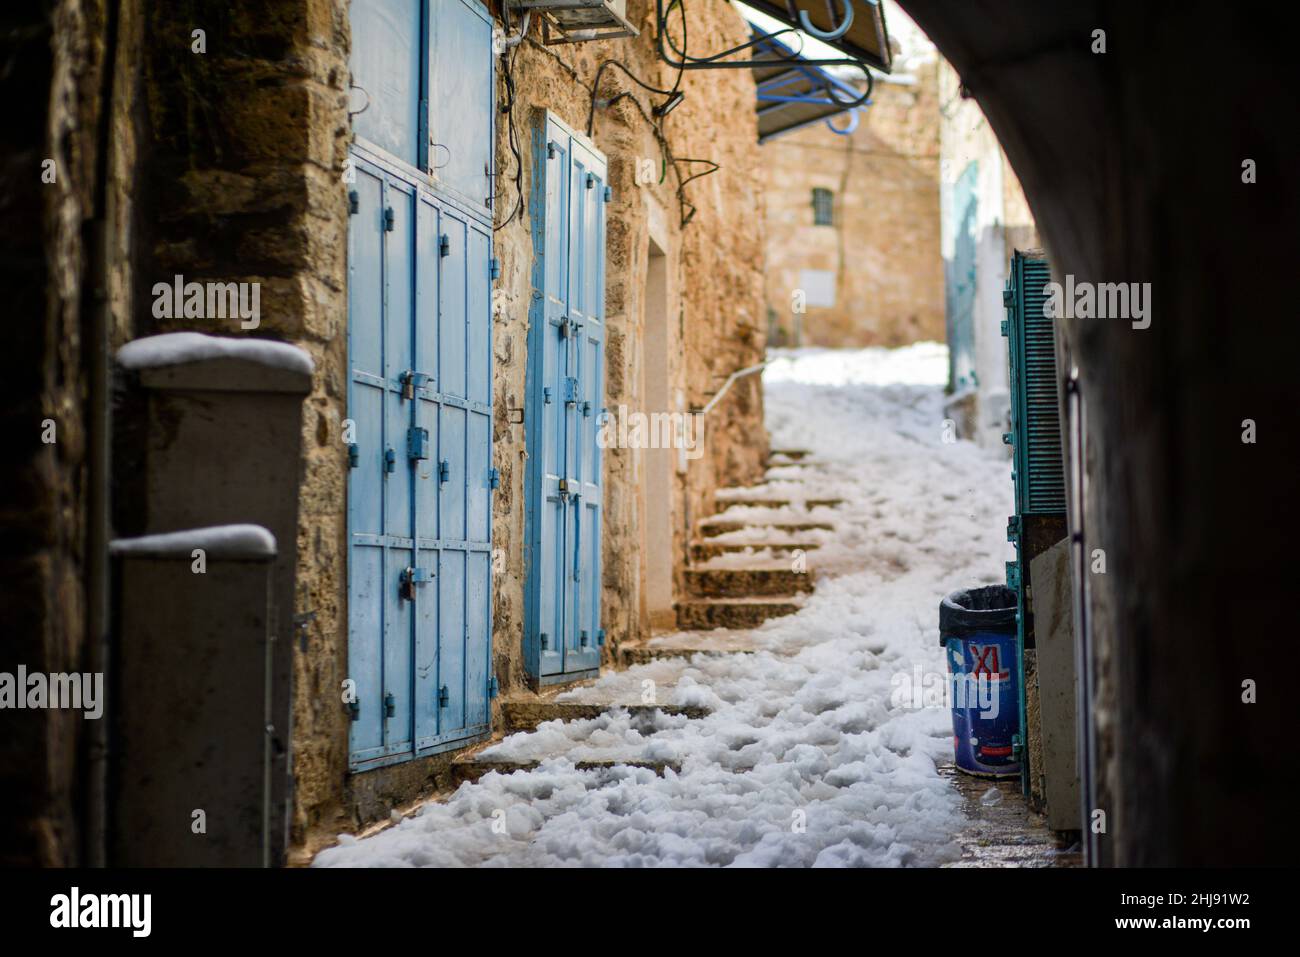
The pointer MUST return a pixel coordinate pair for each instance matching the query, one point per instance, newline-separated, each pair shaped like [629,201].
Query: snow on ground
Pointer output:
[809,758]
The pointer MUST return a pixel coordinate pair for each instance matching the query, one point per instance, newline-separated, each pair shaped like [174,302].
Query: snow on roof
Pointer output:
[217,541]
[175,348]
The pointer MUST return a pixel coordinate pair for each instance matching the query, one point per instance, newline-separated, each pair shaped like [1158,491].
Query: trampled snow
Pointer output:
[810,756]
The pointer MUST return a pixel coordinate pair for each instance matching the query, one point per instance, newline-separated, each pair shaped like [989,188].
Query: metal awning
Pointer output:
[793,93]
[855,28]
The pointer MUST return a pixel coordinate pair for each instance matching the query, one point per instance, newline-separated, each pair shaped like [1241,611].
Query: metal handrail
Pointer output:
[717,396]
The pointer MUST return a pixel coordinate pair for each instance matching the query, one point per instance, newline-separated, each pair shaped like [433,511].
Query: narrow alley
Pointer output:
[788,744]
[644,434]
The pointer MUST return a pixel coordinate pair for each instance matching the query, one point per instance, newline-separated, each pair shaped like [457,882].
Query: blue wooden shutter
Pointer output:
[565,391]
[386,67]
[419,390]
[462,96]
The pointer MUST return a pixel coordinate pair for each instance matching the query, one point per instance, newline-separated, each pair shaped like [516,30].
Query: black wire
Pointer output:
[508,110]
[595,87]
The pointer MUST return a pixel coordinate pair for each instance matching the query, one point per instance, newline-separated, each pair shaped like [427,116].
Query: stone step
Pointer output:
[780,502]
[473,768]
[526,715]
[703,551]
[735,582]
[685,645]
[710,527]
[704,614]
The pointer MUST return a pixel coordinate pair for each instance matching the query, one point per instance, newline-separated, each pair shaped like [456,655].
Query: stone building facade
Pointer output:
[212,141]
[985,218]
[871,276]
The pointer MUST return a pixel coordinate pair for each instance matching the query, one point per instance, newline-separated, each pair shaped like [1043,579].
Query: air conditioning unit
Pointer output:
[576,21]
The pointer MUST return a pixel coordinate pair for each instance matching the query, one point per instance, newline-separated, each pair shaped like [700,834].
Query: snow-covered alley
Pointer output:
[811,749]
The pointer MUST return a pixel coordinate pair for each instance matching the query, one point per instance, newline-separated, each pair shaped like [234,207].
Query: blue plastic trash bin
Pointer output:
[977,627]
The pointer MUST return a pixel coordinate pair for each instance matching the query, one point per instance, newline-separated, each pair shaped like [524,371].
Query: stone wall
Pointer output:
[51,68]
[225,164]
[1002,223]
[883,247]
[715,304]
[714,324]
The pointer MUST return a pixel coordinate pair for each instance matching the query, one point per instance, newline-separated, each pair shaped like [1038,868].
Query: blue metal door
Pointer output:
[565,390]
[420,413]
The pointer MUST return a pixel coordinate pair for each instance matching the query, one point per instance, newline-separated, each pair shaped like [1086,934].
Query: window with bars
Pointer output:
[823,204]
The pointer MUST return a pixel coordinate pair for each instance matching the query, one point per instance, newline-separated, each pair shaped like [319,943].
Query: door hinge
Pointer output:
[1013,576]
[389,219]
[600,637]
[494,478]
[550,150]
[444,698]
[546,395]
[444,245]
[354,710]
[1005,327]
[390,705]
[417,442]
[493,688]
[494,268]
[545,641]
[591,181]
[609,194]
[354,202]
[1013,527]
[444,471]
[354,455]
[390,460]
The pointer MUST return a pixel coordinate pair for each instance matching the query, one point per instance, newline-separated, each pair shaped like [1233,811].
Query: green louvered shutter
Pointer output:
[1035,417]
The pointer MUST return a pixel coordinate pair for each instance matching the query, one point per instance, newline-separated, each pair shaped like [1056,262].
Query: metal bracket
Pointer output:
[412,380]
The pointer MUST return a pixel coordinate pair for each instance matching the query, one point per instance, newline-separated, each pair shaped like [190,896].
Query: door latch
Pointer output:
[417,443]
[412,576]
[412,380]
